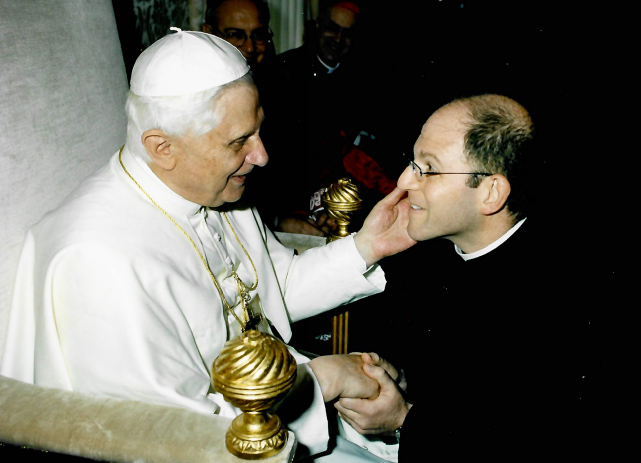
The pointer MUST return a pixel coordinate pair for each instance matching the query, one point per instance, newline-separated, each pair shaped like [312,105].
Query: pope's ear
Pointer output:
[496,190]
[159,149]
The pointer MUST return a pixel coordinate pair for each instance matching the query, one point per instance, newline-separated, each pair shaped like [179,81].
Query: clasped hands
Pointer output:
[368,391]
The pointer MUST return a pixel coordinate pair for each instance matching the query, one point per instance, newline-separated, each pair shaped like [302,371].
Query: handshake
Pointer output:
[367,390]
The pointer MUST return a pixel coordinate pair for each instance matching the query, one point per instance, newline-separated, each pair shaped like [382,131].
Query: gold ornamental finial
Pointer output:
[254,371]
[341,201]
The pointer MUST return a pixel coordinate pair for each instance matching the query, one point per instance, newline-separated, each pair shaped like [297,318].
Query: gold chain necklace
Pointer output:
[251,321]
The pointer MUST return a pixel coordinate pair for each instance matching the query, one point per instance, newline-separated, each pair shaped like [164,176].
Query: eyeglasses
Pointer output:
[416,170]
[238,37]
[332,29]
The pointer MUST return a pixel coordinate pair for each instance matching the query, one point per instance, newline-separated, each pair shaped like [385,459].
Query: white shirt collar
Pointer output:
[491,246]
[329,68]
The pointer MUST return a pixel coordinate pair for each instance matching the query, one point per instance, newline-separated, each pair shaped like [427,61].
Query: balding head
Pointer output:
[497,134]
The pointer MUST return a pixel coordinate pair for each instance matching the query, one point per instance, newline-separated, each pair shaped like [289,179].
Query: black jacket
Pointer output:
[503,357]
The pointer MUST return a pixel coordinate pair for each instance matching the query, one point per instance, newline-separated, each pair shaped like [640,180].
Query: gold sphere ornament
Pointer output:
[253,372]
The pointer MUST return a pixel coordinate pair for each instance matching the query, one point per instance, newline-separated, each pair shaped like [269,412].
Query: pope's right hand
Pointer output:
[342,375]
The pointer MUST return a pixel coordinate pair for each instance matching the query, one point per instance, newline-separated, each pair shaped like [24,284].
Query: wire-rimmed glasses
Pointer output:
[238,37]
[416,170]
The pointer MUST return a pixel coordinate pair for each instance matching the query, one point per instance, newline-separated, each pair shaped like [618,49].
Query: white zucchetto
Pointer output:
[184,63]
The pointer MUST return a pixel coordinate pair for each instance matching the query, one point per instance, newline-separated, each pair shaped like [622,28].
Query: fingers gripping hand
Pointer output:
[397,376]
[381,415]
[342,375]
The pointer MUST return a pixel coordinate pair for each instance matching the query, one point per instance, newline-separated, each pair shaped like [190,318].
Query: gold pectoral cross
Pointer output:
[251,320]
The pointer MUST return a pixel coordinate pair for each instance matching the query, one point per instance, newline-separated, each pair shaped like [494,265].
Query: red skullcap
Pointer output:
[351,6]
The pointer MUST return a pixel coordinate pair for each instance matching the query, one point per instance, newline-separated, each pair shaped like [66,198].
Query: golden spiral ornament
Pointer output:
[341,200]
[254,371]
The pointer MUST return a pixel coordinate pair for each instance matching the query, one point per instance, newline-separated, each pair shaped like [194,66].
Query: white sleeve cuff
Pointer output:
[303,411]
[374,274]
[373,444]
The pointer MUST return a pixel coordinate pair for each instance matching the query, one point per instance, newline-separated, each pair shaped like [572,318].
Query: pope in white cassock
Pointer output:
[132,286]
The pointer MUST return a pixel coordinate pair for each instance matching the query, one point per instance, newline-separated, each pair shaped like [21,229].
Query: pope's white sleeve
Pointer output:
[326,277]
[303,410]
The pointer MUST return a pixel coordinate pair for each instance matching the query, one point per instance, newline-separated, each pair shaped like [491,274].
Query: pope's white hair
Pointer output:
[194,114]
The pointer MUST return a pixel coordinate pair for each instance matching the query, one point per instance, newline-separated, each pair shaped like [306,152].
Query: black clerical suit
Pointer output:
[502,363]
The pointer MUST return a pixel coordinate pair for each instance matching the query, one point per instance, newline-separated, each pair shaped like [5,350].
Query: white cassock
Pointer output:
[112,299]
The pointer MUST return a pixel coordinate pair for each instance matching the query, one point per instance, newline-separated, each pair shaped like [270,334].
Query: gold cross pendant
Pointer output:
[252,321]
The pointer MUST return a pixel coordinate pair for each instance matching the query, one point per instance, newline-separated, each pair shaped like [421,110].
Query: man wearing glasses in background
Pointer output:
[244,24]
[500,357]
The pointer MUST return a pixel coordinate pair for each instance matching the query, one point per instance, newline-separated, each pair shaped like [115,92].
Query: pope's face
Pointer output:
[442,205]
[211,169]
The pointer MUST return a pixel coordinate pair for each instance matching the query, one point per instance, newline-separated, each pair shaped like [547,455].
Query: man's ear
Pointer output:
[495,191]
[207,28]
[159,148]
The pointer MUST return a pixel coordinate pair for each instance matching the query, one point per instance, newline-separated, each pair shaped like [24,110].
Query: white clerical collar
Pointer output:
[491,246]
[329,68]
[168,199]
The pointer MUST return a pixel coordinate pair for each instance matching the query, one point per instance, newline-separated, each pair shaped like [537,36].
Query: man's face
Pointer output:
[238,19]
[442,205]
[335,35]
[211,169]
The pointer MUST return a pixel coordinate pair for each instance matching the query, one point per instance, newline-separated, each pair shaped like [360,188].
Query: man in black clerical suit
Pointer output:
[499,355]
